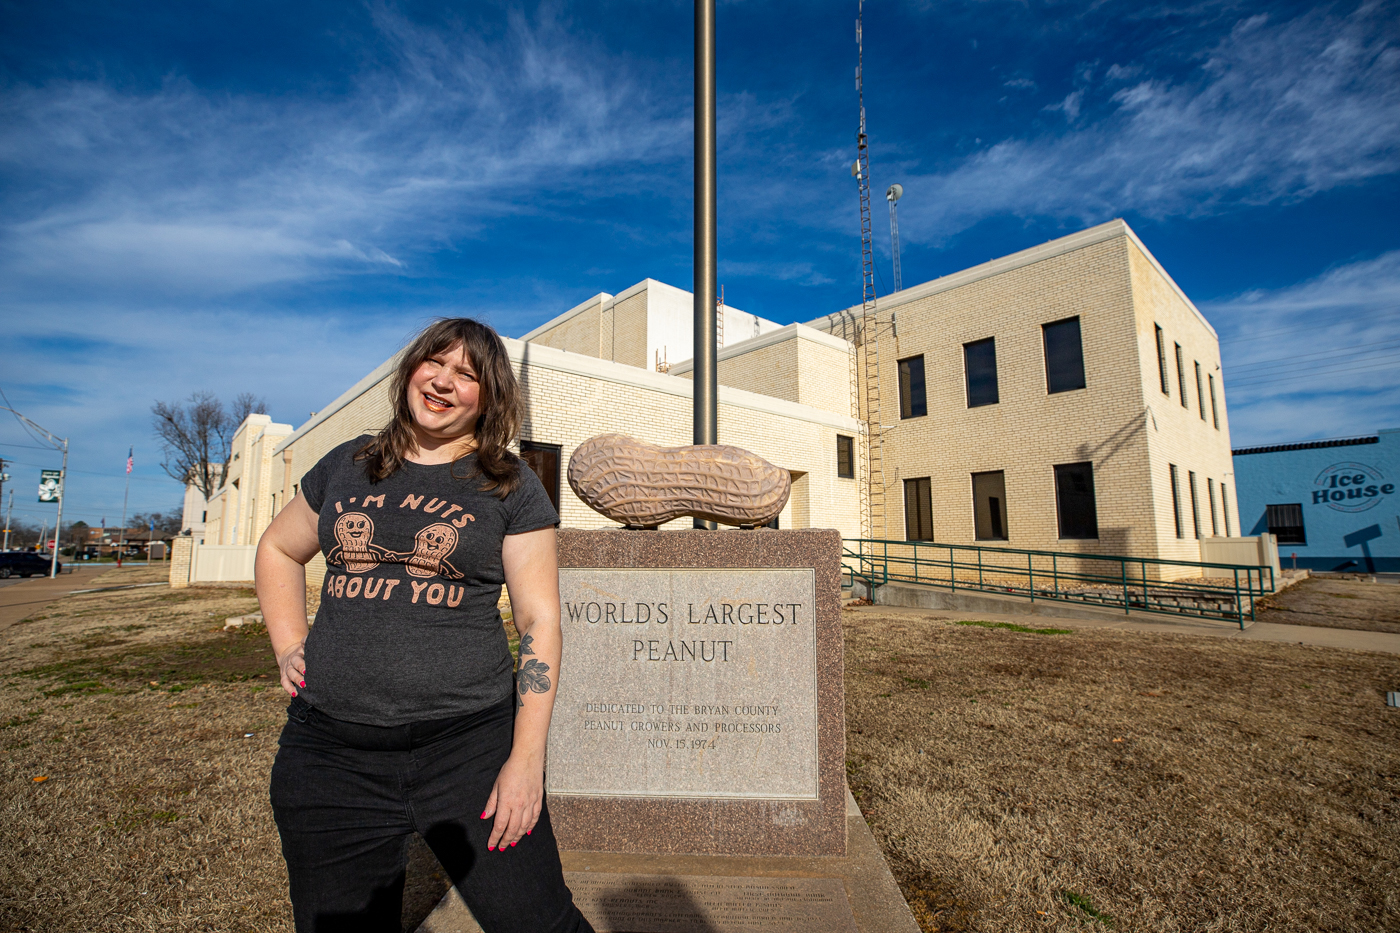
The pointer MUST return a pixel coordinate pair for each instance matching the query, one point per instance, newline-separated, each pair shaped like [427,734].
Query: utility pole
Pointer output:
[59,443]
[5,478]
[706,405]
[9,518]
[121,538]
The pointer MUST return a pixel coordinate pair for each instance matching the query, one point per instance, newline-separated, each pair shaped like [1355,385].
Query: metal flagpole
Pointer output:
[706,408]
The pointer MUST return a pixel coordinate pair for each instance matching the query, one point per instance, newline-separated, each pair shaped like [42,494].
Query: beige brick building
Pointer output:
[571,397]
[244,505]
[992,378]
[1021,403]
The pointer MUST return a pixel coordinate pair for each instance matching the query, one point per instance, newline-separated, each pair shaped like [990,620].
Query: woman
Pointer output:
[405,716]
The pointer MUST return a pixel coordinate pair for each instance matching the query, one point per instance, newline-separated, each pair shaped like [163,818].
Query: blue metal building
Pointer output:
[1334,504]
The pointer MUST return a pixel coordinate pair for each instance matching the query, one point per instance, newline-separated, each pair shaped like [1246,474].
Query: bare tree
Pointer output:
[196,434]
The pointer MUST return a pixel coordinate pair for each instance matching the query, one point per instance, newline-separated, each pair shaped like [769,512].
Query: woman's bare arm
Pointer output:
[532,577]
[280,571]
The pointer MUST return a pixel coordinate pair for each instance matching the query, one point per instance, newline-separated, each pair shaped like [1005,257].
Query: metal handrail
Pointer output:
[1129,583]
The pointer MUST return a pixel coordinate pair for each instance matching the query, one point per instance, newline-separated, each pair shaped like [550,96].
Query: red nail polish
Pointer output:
[512,845]
[303,683]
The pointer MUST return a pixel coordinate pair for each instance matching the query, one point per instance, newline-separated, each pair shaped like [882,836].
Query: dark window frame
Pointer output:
[1276,516]
[983,397]
[1181,377]
[1162,360]
[998,525]
[550,484]
[1225,509]
[918,519]
[1210,495]
[1214,411]
[1067,373]
[1067,520]
[1195,503]
[913,400]
[846,456]
[1200,392]
[1176,499]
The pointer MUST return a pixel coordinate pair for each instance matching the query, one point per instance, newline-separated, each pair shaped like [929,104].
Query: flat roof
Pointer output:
[1309,445]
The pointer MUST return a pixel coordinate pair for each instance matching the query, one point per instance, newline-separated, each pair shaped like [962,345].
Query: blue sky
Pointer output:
[270,197]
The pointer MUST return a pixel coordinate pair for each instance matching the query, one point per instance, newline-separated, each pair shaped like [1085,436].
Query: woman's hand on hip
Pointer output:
[292,664]
[515,800]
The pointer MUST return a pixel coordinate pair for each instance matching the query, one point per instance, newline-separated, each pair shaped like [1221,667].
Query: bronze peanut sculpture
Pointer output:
[642,485]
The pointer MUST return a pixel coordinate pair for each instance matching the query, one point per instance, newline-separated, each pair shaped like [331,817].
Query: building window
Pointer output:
[918,510]
[845,456]
[1225,509]
[543,459]
[980,365]
[913,402]
[1210,497]
[1286,523]
[1064,356]
[1200,394]
[1195,502]
[1162,360]
[1176,498]
[1214,412]
[1181,378]
[1074,497]
[989,506]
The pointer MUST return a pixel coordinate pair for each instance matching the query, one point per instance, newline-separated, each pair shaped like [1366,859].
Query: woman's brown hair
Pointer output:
[499,402]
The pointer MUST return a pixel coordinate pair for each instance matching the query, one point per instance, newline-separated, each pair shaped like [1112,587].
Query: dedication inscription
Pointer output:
[687,683]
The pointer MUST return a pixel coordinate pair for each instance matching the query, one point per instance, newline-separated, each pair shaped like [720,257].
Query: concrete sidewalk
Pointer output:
[1141,622]
[19,600]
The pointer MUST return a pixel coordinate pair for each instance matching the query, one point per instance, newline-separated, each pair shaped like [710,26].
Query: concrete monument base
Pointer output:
[648,893]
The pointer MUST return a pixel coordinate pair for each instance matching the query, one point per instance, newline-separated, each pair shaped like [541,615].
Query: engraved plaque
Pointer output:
[686,683]
[618,903]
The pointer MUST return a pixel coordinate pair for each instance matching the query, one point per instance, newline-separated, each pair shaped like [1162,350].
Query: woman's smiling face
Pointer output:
[444,395]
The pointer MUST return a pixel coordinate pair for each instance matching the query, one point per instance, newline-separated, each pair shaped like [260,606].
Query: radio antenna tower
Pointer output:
[893,194]
[866,381]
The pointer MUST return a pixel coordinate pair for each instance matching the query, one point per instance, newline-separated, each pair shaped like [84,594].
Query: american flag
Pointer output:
[129,453]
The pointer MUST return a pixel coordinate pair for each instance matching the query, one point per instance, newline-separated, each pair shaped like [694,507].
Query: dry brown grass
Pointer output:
[1256,786]
[1023,781]
[1336,603]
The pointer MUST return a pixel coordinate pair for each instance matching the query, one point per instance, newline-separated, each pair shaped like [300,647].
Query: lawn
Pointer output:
[1024,780]
[1017,778]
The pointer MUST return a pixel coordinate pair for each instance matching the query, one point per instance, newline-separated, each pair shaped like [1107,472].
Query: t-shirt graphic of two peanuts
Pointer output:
[408,628]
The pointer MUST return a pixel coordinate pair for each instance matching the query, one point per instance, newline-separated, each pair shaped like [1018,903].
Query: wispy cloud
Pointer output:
[1316,359]
[192,193]
[1277,111]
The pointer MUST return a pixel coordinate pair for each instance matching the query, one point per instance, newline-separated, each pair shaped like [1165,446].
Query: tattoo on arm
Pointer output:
[531,675]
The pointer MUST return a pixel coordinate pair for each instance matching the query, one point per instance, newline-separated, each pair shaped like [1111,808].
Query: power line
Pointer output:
[1290,377]
[1284,369]
[1294,329]
[1289,360]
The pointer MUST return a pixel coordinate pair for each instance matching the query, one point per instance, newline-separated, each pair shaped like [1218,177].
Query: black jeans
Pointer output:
[347,798]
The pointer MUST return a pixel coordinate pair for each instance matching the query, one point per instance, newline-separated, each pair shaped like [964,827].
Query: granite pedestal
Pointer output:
[696,768]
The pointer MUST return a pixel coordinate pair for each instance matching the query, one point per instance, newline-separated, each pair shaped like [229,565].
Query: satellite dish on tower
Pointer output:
[894,193]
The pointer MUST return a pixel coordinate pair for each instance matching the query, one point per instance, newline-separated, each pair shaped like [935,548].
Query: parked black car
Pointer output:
[24,564]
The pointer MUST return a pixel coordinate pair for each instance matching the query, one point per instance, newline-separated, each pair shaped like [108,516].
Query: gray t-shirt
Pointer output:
[408,628]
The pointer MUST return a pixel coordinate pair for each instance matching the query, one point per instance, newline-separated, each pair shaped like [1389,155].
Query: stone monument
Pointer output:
[696,762]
